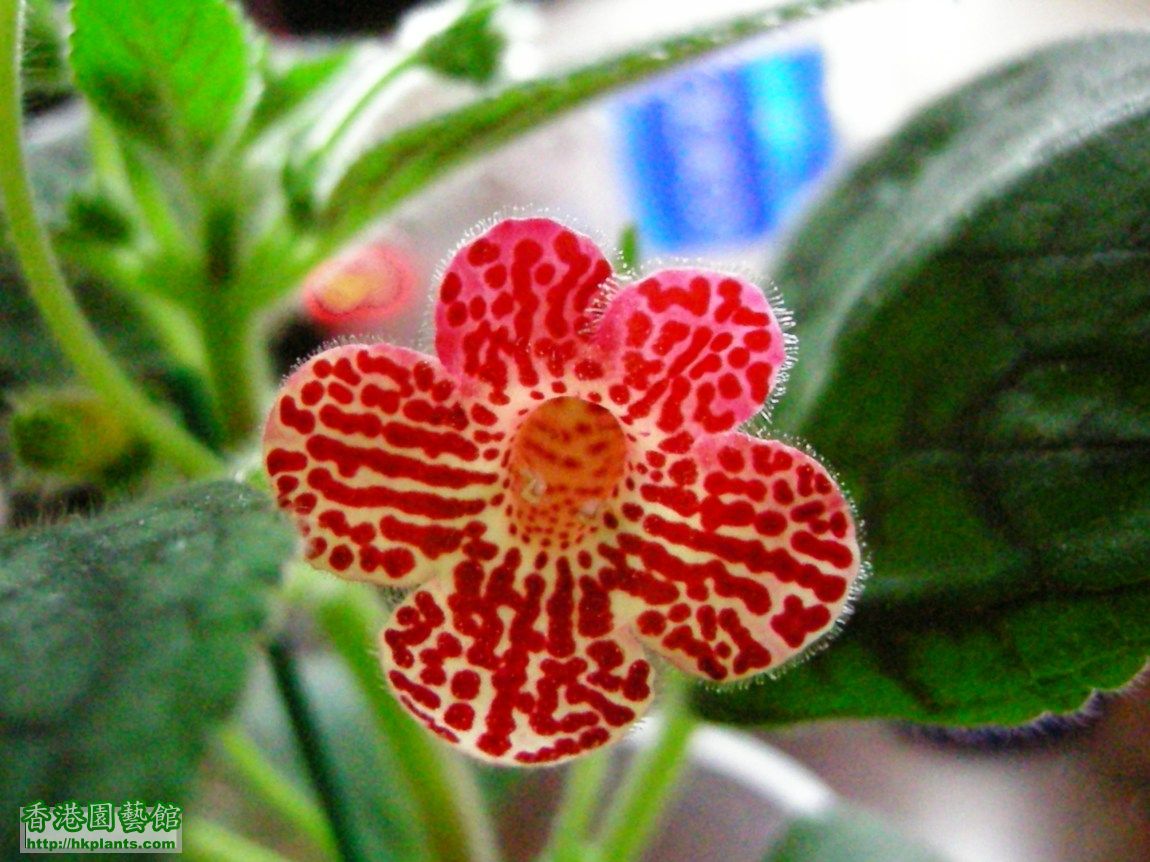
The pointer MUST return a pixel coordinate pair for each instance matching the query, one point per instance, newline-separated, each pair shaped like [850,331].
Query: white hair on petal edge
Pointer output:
[756,427]
[426,335]
[343,340]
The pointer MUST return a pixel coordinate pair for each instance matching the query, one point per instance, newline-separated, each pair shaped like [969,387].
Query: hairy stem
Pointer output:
[651,779]
[54,299]
[237,363]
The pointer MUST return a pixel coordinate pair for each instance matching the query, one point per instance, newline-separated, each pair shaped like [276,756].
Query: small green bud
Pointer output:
[471,47]
[72,434]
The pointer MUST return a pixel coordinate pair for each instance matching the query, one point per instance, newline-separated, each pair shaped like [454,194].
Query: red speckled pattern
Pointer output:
[731,556]
[566,492]
[388,476]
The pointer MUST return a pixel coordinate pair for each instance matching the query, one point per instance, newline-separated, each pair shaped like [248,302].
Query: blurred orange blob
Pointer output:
[359,289]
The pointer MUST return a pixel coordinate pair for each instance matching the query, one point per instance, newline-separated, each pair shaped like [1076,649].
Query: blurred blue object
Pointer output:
[717,157]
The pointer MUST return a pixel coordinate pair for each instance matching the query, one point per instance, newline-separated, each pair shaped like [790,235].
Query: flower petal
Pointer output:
[693,352]
[373,453]
[734,557]
[511,660]
[513,311]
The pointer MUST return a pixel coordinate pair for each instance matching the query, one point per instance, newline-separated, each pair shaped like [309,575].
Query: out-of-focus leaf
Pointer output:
[126,639]
[45,67]
[974,319]
[290,84]
[28,354]
[471,48]
[846,835]
[406,162]
[173,72]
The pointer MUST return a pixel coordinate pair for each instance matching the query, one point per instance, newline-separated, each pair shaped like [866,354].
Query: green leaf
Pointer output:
[406,162]
[173,72]
[846,835]
[974,320]
[291,84]
[126,639]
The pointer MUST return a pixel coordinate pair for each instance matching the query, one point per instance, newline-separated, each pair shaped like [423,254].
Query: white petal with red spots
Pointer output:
[387,474]
[508,659]
[733,557]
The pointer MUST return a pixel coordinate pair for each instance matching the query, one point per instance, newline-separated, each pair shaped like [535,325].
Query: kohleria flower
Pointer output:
[565,491]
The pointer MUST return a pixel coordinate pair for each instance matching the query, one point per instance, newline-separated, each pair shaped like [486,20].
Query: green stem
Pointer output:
[315,752]
[583,796]
[333,138]
[651,779]
[276,791]
[206,841]
[453,818]
[237,363]
[50,292]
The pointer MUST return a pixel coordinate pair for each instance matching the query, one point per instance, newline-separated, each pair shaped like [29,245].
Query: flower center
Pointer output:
[566,462]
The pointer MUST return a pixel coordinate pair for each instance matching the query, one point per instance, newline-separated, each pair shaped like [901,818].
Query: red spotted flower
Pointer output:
[564,491]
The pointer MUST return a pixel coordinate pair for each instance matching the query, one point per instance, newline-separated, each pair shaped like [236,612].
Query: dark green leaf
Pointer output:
[126,639]
[174,72]
[471,48]
[97,218]
[413,158]
[846,835]
[974,308]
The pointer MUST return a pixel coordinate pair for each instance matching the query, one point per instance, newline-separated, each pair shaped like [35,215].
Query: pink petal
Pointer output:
[513,661]
[734,557]
[690,352]
[371,450]
[514,310]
